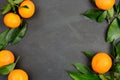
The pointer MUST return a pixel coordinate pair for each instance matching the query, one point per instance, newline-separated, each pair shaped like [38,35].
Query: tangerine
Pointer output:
[18,74]
[104,4]
[12,20]
[101,63]
[6,57]
[26,9]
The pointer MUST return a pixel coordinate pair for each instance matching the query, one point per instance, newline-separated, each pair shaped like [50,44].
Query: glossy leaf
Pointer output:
[102,16]
[78,76]
[3,42]
[89,54]
[6,9]
[12,34]
[20,35]
[92,13]
[111,12]
[15,35]
[83,69]
[113,31]
[17,1]
[8,68]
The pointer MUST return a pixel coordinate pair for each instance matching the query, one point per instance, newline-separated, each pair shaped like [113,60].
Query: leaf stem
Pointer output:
[17,59]
[102,77]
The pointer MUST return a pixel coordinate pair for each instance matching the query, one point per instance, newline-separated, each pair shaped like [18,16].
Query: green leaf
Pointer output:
[78,76]
[83,69]
[111,76]
[116,8]
[11,2]
[89,54]
[25,6]
[110,13]
[118,51]
[6,9]
[92,13]
[113,31]
[117,67]
[15,35]
[12,34]
[3,42]
[113,50]
[20,35]
[102,17]
[17,1]
[8,68]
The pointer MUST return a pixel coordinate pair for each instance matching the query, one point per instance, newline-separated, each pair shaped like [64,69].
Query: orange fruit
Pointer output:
[18,74]
[104,4]
[101,63]
[26,9]
[6,57]
[12,20]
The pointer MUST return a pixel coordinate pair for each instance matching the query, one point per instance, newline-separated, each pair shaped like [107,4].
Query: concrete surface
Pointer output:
[56,35]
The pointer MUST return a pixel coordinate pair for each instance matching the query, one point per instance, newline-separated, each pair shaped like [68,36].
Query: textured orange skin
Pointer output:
[18,74]
[6,57]
[101,63]
[27,12]
[12,20]
[104,4]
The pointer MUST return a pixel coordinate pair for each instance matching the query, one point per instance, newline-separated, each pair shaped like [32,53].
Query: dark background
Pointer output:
[56,35]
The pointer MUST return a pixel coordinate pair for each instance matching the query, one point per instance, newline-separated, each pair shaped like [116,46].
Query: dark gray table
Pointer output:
[56,35]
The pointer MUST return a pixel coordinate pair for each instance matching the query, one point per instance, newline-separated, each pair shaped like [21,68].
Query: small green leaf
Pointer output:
[6,9]
[8,68]
[20,35]
[83,69]
[92,13]
[3,42]
[118,51]
[89,54]
[113,31]
[17,1]
[25,6]
[102,17]
[117,67]
[113,50]
[78,76]
[11,2]
[110,13]
[116,8]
